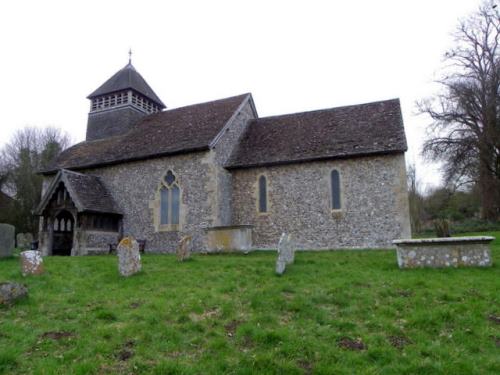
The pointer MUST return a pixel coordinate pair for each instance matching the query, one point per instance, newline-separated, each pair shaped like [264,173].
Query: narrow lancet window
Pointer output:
[335,182]
[262,194]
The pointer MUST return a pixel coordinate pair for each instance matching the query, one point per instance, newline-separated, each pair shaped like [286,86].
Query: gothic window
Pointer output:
[262,194]
[169,200]
[335,189]
[56,225]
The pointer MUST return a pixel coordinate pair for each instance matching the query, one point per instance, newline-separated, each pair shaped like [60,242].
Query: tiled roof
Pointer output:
[174,131]
[127,78]
[87,192]
[364,129]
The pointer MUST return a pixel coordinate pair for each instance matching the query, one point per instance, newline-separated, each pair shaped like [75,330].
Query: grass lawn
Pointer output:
[331,313]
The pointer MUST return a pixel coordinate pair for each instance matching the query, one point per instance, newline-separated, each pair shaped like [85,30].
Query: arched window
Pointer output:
[169,200]
[262,194]
[56,225]
[335,186]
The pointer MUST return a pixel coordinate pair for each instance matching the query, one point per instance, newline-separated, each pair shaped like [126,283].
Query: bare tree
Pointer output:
[415,199]
[465,132]
[29,151]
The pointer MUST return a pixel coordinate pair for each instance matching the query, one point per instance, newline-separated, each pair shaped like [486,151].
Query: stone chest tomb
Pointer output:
[333,178]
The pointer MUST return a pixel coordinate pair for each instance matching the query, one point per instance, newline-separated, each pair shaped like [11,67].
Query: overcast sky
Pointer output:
[291,55]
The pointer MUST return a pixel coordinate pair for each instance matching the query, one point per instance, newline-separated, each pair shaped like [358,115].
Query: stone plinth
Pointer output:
[129,258]
[444,252]
[230,238]
[31,262]
[7,240]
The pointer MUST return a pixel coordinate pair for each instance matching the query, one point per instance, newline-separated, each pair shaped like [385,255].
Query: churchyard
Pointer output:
[330,312]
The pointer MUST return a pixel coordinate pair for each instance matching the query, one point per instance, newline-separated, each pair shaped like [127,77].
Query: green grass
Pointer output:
[231,314]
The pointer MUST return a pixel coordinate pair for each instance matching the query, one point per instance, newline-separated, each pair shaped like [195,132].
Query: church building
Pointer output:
[332,178]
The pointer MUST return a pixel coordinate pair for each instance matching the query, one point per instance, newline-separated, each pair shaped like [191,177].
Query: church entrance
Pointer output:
[64,225]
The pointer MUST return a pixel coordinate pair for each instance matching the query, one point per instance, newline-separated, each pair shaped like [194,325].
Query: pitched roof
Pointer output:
[185,129]
[127,78]
[363,129]
[87,192]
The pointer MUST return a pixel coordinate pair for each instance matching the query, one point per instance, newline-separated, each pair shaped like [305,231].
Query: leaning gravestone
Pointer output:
[7,240]
[31,263]
[24,240]
[183,249]
[286,253]
[129,258]
[10,292]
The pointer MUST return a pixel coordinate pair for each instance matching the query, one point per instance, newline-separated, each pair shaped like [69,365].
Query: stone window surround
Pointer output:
[341,193]
[155,205]
[257,195]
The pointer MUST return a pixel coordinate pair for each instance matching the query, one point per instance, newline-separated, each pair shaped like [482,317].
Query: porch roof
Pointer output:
[87,192]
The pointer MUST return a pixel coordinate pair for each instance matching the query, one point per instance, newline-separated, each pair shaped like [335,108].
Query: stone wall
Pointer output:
[223,148]
[134,186]
[373,195]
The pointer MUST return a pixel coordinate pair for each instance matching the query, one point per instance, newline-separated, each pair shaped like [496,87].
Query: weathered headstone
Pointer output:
[31,262]
[24,240]
[286,253]
[10,292]
[183,249]
[7,240]
[129,258]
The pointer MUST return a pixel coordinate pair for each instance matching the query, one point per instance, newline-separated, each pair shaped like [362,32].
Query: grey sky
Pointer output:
[291,55]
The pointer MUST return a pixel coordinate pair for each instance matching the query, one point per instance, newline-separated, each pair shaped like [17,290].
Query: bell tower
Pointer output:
[119,103]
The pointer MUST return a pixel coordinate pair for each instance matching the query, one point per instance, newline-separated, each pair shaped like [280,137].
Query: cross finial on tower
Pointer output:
[130,56]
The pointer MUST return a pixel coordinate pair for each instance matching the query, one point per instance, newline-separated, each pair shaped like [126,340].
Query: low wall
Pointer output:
[230,238]
[444,252]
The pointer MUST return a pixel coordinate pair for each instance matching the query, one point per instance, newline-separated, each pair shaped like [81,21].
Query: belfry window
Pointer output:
[335,189]
[262,194]
[169,200]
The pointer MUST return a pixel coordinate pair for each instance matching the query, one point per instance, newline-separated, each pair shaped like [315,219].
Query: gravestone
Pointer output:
[286,253]
[24,240]
[129,258]
[31,262]
[183,249]
[7,240]
[10,292]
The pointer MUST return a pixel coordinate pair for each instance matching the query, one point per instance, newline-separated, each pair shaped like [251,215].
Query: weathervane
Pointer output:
[130,56]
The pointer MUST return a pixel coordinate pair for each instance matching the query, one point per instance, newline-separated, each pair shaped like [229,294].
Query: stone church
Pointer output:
[333,178]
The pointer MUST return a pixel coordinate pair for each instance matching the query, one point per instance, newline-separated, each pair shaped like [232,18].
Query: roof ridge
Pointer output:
[206,102]
[326,109]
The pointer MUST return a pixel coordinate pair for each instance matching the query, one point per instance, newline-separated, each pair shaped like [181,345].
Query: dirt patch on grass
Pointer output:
[247,343]
[231,327]
[57,335]
[213,313]
[135,304]
[405,293]
[350,344]
[126,352]
[399,342]
[306,366]
[493,318]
